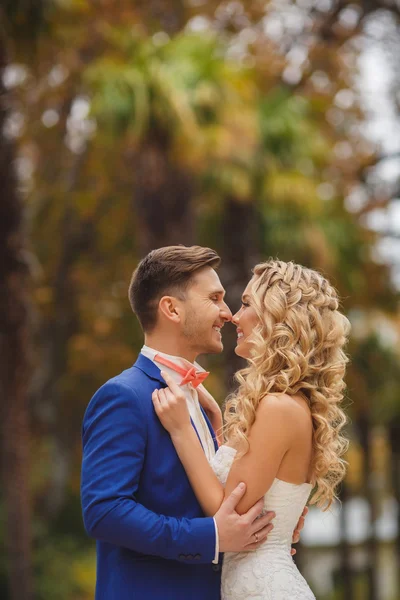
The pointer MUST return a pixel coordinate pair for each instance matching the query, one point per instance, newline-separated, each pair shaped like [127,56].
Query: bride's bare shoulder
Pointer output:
[294,408]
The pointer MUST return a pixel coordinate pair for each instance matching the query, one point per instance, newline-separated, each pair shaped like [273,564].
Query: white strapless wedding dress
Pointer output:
[268,573]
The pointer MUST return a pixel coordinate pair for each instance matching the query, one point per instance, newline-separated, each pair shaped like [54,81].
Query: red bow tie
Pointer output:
[189,375]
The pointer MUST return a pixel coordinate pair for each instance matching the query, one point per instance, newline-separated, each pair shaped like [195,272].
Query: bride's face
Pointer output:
[245,320]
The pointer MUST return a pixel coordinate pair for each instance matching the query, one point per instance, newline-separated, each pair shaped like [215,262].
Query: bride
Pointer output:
[282,426]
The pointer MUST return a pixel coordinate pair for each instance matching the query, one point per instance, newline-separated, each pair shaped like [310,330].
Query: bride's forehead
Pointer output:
[250,285]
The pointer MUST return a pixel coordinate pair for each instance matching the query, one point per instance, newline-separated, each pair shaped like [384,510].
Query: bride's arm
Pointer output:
[270,438]
[171,408]
[206,486]
[272,434]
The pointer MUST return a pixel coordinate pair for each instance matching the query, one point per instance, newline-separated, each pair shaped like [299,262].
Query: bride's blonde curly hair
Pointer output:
[298,348]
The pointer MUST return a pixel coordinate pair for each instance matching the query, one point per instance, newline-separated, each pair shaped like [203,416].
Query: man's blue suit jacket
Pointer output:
[153,541]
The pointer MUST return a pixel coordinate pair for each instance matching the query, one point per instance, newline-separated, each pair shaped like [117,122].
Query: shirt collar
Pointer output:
[151,353]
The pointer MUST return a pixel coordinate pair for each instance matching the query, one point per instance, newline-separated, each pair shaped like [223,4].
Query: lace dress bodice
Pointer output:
[268,573]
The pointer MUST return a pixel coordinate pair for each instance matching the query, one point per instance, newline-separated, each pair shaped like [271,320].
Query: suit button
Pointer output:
[182,557]
[197,557]
[216,567]
[189,557]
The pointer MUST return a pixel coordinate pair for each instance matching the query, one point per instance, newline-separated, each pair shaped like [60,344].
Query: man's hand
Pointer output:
[299,527]
[241,533]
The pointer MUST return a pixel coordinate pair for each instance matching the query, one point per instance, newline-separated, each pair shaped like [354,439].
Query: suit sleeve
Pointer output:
[114,443]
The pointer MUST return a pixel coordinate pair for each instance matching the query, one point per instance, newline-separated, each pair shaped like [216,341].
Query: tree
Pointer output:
[162,96]
[15,334]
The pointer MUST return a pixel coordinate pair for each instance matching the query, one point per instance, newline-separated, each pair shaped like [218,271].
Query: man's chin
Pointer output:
[215,348]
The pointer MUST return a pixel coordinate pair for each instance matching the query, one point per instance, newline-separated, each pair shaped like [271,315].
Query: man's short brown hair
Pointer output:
[165,271]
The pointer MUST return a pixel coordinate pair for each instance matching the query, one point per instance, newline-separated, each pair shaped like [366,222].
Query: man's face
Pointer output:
[205,313]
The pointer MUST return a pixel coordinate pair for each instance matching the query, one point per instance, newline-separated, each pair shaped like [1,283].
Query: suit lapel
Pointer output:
[197,433]
[210,427]
[151,370]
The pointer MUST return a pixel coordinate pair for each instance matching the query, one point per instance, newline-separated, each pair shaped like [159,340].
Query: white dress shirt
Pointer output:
[193,406]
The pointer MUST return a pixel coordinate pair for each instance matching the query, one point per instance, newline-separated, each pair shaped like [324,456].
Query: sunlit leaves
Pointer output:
[176,87]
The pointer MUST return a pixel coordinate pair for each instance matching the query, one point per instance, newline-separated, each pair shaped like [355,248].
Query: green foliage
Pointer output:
[377,365]
[287,130]
[146,87]
[64,570]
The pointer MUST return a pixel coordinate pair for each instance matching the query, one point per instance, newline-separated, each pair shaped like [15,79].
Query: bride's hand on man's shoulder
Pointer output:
[171,407]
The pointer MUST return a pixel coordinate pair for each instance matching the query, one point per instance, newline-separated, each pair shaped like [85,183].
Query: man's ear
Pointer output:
[169,307]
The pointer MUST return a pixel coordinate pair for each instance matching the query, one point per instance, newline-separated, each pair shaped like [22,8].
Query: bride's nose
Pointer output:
[235,318]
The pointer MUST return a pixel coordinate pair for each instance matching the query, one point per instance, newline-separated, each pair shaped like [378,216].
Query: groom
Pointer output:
[153,541]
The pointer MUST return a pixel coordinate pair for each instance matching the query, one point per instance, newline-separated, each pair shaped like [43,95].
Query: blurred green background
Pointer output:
[259,128]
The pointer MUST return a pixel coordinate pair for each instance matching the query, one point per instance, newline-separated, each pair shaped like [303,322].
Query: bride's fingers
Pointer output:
[162,397]
[170,397]
[166,398]
[173,386]
[156,401]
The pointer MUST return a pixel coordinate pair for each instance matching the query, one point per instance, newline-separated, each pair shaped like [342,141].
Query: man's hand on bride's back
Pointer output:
[241,533]
[297,531]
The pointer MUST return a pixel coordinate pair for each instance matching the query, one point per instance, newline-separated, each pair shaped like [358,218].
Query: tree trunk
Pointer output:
[15,361]
[240,252]
[394,436]
[364,427]
[163,200]
[345,553]
[76,239]
[163,15]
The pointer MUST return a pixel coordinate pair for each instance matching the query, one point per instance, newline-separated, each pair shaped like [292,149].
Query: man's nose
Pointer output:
[226,312]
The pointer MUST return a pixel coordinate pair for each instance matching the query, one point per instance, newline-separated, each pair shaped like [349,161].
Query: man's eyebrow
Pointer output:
[218,292]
